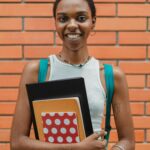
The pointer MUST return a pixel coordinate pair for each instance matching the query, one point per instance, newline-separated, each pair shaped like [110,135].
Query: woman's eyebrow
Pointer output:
[82,12]
[79,12]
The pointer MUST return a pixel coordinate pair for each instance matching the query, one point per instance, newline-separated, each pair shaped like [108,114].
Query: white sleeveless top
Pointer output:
[91,74]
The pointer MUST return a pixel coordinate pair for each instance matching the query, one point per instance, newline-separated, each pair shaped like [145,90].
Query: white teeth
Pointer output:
[73,36]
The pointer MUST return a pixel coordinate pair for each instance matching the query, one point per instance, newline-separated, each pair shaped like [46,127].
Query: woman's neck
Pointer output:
[75,56]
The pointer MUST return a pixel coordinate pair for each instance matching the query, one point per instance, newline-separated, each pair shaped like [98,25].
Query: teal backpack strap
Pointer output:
[43,67]
[109,80]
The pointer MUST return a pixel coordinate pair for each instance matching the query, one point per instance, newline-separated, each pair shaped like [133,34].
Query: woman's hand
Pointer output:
[94,142]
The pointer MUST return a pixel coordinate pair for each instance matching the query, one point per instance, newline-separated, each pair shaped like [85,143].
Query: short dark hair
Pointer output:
[90,3]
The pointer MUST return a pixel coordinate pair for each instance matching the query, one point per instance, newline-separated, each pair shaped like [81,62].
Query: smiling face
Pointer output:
[74,23]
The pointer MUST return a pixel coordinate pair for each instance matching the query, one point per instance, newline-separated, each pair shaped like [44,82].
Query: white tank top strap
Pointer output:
[99,79]
[52,61]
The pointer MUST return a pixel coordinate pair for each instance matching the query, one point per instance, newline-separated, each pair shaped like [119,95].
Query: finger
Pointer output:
[102,144]
[97,135]
[94,136]
[102,133]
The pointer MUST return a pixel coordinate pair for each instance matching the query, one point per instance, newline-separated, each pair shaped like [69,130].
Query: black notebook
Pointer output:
[59,96]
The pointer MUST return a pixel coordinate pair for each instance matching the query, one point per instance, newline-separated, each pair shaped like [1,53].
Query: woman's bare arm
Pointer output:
[122,113]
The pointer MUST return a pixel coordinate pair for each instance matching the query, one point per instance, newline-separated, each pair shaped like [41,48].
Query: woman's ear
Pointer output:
[93,22]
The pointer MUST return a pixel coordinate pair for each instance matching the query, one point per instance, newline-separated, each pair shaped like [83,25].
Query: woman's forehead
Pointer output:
[69,5]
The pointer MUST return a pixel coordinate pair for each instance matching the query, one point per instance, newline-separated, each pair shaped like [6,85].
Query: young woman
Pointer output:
[74,22]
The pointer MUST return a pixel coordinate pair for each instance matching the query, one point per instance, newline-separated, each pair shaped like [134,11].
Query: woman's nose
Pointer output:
[72,25]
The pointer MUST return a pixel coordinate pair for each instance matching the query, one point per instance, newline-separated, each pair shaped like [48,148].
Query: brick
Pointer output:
[26,38]
[148,52]
[148,135]
[136,81]
[148,24]
[142,146]
[148,108]
[148,81]
[102,38]
[119,24]
[137,108]
[98,38]
[12,66]
[139,94]
[16,24]
[113,136]
[10,0]
[135,10]
[7,108]
[12,96]
[24,9]
[4,135]
[141,122]
[106,9]
[113,125]
[10,52]
[4,146]
[140,38]
[13,80]
[5,122]
[39,24]
[115,52]
[139,135]
[135,67]
[40,51]
[129,1]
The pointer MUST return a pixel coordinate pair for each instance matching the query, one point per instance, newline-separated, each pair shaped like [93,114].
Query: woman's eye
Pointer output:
[81,18]
[63,19]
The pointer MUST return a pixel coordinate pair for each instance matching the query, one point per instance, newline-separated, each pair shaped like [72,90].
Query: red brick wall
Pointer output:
[122,38]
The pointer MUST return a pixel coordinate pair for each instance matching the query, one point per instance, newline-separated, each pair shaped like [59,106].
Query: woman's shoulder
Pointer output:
[119,79]
[118,73]
[32,66]
[30,71]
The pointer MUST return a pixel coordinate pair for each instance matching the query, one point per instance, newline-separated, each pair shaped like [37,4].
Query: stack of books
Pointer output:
[60,110]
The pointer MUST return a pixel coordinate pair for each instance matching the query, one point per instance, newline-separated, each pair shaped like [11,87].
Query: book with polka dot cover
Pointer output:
[60,127]
[55,102]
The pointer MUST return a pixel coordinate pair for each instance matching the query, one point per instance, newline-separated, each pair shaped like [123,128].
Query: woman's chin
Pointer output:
[74,48]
